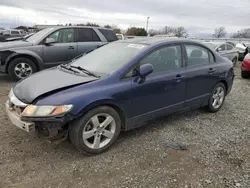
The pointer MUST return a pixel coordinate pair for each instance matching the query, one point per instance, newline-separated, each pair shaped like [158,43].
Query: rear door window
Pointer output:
[87,35]
[109,35]
[197,55]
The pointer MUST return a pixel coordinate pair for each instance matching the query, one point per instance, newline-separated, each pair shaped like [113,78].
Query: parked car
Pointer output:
[19,38]
[224,49]
[50,47]
[243,50]
[245,67]
[118,87]
[12,33]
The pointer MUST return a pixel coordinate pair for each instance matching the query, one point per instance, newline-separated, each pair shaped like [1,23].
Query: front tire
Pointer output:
[217,98]
[21,67]
[96,131]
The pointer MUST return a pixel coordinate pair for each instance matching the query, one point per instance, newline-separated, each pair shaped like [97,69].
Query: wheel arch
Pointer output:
[108,103]
[225,84]
[30,55]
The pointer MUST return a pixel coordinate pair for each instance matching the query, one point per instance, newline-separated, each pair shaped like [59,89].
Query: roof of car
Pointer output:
[155,40]
[60,27]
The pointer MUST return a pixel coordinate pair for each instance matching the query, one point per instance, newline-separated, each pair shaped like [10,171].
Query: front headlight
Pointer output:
[41,111]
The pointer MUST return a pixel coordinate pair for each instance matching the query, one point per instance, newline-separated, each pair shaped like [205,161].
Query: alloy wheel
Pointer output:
[218,97]
[22,70]
[99,131]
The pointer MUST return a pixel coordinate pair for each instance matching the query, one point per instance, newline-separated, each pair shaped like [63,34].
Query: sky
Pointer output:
[199,17]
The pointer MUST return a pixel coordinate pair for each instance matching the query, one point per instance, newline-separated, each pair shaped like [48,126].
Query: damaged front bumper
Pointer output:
[16,119]
[54,128]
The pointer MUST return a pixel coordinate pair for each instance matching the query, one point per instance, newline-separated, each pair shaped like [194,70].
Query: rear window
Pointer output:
[109,35]
[86,35]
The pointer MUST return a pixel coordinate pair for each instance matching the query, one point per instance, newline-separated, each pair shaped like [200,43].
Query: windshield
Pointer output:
[39,35]
[210,45]
[109,58]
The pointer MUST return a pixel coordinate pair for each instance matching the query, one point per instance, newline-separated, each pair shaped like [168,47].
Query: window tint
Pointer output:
[63,36]
[196,55]
[87,35]
[229,47]
[163,59]
[109,35]
[14,32]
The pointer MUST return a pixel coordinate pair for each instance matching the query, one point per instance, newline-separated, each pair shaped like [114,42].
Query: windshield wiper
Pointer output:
[68,68]
[85,71]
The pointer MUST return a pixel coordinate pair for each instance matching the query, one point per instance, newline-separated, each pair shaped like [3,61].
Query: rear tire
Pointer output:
[21,68]
[217,98]
[244,74]
[96,131]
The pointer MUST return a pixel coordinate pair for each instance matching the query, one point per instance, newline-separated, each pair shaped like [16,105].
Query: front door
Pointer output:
[202,74]
[63,50]
[163,91]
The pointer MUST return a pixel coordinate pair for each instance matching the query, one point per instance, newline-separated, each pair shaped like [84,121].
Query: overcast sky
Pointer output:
[198,16]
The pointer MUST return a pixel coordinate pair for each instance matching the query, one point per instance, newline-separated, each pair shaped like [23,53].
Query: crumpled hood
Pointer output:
[46,81]
[14,44]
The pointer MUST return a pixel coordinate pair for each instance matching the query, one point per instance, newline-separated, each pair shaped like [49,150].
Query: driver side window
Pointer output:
[63,36]
[163,59]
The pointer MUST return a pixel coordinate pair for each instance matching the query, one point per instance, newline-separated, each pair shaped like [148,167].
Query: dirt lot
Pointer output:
[217,155]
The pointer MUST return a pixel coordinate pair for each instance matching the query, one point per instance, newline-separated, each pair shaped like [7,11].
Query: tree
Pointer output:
[114,27]
[243,33]
[108,26]
[135,31]
[92,24]
[168,30]
[70,24]
[180,32]
[220,32]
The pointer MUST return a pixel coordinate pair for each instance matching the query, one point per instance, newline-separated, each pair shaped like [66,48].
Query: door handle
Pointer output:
[179,77]
[71,47]
[211,70]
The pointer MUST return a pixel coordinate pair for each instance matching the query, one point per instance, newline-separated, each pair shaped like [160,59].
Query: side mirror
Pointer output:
[49,41]
[145,70]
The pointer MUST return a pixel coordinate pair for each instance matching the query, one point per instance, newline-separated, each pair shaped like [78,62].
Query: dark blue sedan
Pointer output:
[119,87]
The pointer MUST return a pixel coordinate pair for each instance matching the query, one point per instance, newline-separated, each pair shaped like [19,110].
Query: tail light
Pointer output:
[246,63]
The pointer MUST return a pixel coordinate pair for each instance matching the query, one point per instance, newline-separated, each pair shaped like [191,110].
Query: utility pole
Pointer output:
[147,24]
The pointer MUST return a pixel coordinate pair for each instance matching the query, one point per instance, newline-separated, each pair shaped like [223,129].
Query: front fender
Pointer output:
[26,53]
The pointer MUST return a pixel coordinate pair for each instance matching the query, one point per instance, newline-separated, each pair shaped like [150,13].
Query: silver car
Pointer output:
[50,47]
[225,50]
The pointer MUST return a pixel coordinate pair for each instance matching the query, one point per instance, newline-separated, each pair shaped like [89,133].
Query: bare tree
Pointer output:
[243,33]
[220,32]
[180,32]
[168,30]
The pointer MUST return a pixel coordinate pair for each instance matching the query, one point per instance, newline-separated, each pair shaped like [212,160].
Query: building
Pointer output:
[40,27]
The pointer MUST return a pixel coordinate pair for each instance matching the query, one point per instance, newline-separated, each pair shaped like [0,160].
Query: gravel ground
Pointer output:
[216,150]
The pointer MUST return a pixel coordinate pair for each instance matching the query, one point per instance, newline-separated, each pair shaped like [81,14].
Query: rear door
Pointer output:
[202,73]
[87,39]
[63,50]
[231,52]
